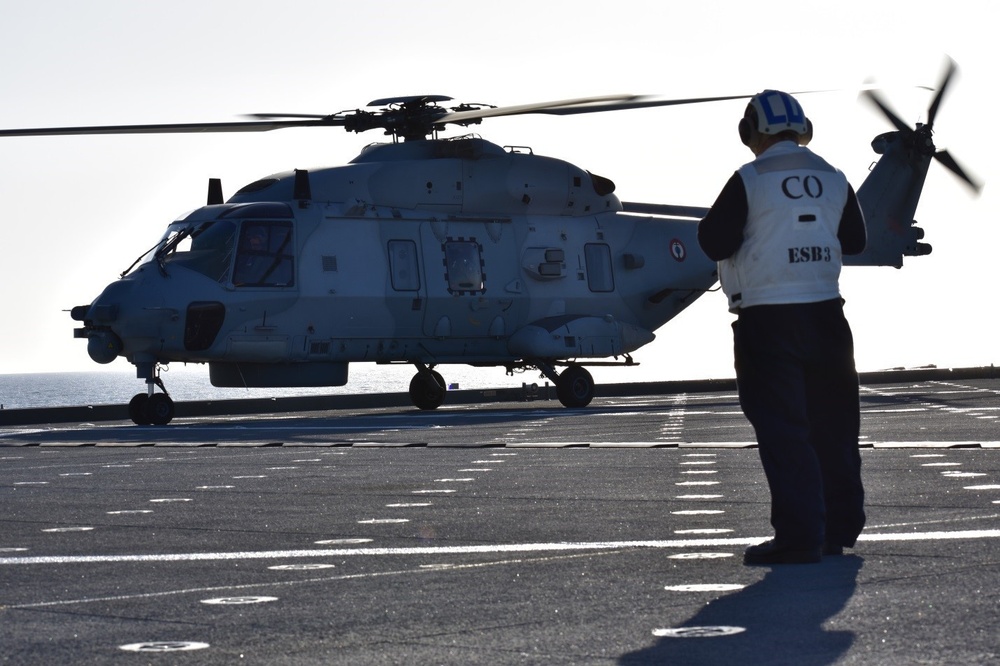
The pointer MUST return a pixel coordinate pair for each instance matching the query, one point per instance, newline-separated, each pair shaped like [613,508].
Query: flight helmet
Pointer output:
[773,112]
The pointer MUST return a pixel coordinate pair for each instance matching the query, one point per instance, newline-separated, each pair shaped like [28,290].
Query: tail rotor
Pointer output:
[920,138]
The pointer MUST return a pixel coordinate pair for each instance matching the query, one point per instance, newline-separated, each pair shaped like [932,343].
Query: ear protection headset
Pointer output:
[773,112]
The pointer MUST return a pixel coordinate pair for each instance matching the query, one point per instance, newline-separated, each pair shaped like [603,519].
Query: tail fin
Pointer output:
[890,193]
[889,197]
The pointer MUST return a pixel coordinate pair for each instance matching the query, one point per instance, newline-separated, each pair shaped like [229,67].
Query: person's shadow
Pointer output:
[782,617]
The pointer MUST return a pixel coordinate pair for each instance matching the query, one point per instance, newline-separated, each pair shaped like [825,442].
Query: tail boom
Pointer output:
[889,198]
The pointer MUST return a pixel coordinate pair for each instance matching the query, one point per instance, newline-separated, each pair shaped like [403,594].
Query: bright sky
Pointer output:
[78,210]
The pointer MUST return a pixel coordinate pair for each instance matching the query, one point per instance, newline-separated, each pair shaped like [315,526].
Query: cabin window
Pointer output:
[264,255]
[600,276]
[404,270]
[464,266]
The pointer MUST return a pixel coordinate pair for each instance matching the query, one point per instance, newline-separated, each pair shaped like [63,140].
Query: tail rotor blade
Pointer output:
[942,87]
[949,162]
[887,111]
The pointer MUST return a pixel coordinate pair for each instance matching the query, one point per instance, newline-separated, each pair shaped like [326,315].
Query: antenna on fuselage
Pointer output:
[215,192]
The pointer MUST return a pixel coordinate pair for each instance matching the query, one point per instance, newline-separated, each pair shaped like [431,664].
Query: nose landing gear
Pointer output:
[151,408]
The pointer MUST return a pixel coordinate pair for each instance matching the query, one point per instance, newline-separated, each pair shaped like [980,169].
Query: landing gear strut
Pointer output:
[151,408]
[427,388]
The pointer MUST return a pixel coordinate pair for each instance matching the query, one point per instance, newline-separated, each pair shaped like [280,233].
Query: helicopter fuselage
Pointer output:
[427,252]
[430,251]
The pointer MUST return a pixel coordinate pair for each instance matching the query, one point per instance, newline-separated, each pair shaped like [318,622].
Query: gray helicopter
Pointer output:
[429,251]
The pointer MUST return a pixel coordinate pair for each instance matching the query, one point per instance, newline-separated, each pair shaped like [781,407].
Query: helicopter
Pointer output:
[426,251]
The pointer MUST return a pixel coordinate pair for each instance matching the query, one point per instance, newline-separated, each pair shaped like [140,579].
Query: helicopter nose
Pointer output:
[103,320]
[103,346]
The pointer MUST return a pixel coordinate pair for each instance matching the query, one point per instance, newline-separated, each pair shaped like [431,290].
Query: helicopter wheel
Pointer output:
[137,409]
[575,387]
[160,409]
[427,389]
[156,409]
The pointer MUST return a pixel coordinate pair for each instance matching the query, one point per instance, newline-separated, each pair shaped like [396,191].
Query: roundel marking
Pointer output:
[677,250]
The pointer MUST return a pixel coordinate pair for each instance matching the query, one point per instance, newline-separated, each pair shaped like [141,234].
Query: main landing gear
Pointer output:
[427,388]
[574,385]
[151,408]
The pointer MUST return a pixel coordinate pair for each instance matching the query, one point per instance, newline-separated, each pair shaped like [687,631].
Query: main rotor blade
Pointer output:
[637,102]
[948,161]
[535,107]
[584,105]
[594,105]
[173,128]
[275,116]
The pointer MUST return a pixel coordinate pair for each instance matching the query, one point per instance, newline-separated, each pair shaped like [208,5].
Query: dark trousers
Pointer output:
[798,386]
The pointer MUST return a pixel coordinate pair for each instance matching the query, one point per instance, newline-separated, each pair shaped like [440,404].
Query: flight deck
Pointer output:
[495,533]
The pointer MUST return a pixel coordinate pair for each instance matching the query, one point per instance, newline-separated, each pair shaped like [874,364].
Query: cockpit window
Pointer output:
[264,255]
[205,248]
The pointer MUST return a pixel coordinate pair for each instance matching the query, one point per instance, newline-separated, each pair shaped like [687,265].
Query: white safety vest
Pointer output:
[790,251]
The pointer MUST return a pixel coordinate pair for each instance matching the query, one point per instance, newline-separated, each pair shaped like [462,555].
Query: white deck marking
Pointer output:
[697,512]
[164,646]
[938,521]
[341,542]
[697,632]
[237,601]
[303,581]
[671,440]
[470,550]
[704,530]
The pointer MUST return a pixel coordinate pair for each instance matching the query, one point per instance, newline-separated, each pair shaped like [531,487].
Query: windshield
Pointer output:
[238,252]
[205,247]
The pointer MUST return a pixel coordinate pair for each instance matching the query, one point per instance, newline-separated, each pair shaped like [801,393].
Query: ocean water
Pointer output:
[110,387]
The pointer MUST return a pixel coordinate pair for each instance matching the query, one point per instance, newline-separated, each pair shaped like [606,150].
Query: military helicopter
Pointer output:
[427,251]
